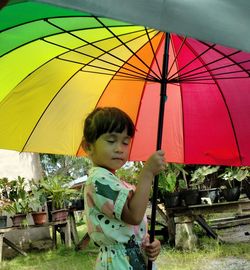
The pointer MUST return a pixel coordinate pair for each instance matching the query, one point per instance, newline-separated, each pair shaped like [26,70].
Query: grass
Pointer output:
[209,251]
[67,258]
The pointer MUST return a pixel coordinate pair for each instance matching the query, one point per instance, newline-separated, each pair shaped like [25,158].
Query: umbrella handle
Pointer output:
[153,215]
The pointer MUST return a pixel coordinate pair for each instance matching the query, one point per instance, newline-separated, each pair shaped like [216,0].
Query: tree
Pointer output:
[69,166]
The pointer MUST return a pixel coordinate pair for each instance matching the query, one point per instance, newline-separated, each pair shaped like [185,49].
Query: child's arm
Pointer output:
[135,207]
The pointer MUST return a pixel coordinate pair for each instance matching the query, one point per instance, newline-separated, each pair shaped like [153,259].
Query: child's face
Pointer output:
[110,150]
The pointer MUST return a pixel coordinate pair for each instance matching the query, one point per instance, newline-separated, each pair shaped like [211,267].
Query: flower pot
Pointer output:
[191,196]
[212,193]
[172,199]
[59,215]
[231,194]
[49,207]
[77,204]
[18,219]
[39,218]
[247,188]
[3,221]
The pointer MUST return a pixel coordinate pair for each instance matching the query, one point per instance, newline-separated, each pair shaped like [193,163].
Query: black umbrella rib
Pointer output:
[154,53]
[140,76]
[46,20]
[92,44]
[123,77]
[42,18]
[117,73]
[42,114]
[189,63]
[123,74]
[176,56]
[184,75]
[217,76]
[228,56]
[123,43]
[64,31]
[224,56]
[202,80]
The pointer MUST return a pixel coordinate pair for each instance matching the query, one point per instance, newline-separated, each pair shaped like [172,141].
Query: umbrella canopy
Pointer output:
[224,22]
[58,64]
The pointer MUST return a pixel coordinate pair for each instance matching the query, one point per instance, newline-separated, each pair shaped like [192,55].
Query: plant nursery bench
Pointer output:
[180,220]
[64,226]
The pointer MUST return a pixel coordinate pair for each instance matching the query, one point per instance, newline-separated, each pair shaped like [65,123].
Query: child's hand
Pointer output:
[156,163]
[153,249]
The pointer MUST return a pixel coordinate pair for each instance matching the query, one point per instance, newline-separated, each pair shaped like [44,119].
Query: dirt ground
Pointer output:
[228,264]
[236,234]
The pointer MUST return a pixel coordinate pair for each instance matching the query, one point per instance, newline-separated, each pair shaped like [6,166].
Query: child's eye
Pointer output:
[110,141]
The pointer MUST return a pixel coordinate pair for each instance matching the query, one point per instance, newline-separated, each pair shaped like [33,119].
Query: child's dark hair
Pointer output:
[106,120]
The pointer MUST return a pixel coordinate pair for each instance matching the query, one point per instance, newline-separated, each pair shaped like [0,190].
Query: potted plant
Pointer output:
[246,181]
[198,180]
[38,199]
[233,176]
[4,201]
[19,201]
[4,204]
[246,184]
[60,194]
[170,184]
[77,201]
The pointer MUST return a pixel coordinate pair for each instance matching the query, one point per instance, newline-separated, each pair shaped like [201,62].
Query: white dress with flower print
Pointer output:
[120,243]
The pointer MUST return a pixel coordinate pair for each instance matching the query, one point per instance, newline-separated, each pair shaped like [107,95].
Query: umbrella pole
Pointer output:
[163,98]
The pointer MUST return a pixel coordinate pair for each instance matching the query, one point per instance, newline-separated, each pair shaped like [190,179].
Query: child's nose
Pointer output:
[119,147]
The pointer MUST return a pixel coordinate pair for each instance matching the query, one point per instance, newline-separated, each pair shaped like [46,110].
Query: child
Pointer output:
[115,210]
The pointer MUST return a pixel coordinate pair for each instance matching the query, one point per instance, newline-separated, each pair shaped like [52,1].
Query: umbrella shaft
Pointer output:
[163,98]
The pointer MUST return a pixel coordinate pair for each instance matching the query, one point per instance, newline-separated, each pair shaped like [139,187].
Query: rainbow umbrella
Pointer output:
[58,64]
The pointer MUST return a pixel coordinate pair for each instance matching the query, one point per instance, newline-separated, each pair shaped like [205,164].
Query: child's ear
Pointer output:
[85,146]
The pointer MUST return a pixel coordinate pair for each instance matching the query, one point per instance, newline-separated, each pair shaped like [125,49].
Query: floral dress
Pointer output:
[120,244]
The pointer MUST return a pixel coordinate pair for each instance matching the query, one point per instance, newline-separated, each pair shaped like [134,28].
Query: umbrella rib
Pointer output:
[195,77]
[182,76]
[37,122]
[94,58]
[123,77]
[230,59]
[124,44]
[190,62]
[176,55]
[143,73]
[89,43]
[51,17]
[133,78]
[201,80]
[154,53]
[217,68]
